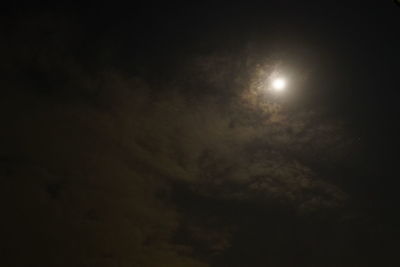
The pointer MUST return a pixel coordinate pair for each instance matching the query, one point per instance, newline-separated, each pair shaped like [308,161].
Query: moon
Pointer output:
[279,84]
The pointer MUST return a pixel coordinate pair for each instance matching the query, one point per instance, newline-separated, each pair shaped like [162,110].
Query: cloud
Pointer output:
[100,167]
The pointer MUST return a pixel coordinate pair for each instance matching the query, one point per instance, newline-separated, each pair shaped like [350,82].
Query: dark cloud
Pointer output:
[105,167]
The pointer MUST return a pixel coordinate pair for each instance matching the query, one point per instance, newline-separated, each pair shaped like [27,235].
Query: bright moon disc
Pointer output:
[279,84]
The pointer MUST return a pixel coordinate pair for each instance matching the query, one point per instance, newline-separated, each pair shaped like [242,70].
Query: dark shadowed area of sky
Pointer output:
[145,135]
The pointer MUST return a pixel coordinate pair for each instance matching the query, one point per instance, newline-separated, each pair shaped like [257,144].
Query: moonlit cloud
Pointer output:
[202,168]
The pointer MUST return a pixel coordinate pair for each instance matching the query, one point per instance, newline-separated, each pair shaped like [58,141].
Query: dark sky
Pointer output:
[144,134]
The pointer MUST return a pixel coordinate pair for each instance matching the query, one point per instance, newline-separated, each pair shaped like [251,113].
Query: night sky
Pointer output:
[149,135]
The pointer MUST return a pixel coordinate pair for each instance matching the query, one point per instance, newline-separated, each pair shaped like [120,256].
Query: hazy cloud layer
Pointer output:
[105,168]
